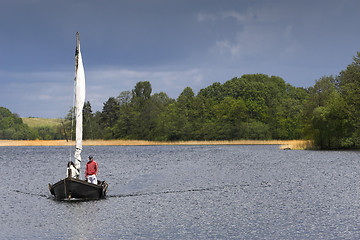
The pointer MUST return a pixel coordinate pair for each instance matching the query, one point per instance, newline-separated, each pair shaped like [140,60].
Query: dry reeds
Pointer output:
[298,145]
[284,144]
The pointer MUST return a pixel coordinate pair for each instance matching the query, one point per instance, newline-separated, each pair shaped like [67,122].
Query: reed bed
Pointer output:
[298,145]
[284,144]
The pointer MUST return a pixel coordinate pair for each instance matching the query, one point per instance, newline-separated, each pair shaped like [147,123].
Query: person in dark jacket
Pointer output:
[91,170]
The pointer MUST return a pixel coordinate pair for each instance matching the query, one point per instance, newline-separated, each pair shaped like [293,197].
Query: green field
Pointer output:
[41,122]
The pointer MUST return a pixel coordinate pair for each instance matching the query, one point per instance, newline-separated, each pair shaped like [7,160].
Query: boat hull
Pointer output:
[72,188]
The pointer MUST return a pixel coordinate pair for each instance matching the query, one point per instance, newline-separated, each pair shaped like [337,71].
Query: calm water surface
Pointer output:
[185,192]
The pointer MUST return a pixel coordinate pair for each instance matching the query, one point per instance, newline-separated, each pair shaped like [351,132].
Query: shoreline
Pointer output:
[284,144]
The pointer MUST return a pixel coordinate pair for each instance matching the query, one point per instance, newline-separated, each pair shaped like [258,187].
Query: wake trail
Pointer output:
[215,188]
[32,194]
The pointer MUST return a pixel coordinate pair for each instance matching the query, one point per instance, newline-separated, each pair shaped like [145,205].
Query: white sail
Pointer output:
[79,101]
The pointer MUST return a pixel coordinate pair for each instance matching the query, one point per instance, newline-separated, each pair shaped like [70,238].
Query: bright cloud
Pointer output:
[260,33]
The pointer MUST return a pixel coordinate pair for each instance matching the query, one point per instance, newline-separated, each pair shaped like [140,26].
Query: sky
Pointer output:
[174,44]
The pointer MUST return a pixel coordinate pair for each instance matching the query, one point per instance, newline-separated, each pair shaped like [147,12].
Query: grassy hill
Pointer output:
[42,122]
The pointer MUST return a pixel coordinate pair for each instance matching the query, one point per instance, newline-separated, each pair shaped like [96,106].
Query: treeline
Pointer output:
[13,128]
[254,106]
[251,107]
[332,111]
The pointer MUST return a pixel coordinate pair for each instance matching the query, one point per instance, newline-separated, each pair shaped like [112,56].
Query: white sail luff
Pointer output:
[79,102]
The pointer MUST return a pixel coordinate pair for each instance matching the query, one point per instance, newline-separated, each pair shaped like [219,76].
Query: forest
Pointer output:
[253,106]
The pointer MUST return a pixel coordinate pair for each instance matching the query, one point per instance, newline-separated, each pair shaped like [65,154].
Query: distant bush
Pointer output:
[13,128]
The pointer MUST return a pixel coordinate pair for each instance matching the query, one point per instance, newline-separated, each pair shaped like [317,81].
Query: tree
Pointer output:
[287,117]
[214,91]
[124,98]
[349,85]
[142,123]
[12,126]
[330,124]
[320,93]
[159,103]
[141,92]
[315,109]
[185,113]
[229,114]
[88,121]
[125,123]
[109,117]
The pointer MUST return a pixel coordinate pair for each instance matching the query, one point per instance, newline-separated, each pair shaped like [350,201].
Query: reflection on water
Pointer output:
[185,192]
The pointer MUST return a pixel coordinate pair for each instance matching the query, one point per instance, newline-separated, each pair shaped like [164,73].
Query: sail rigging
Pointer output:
[72,187]
[79,101]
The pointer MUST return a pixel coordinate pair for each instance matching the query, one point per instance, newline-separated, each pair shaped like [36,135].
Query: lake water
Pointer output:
[185,192]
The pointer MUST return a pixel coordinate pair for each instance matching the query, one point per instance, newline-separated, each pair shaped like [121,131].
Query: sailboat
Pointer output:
[73,188]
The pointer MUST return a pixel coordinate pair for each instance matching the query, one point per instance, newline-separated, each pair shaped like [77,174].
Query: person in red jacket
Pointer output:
[91,170]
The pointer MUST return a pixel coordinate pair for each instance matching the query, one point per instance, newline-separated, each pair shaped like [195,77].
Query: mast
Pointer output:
[79,101]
